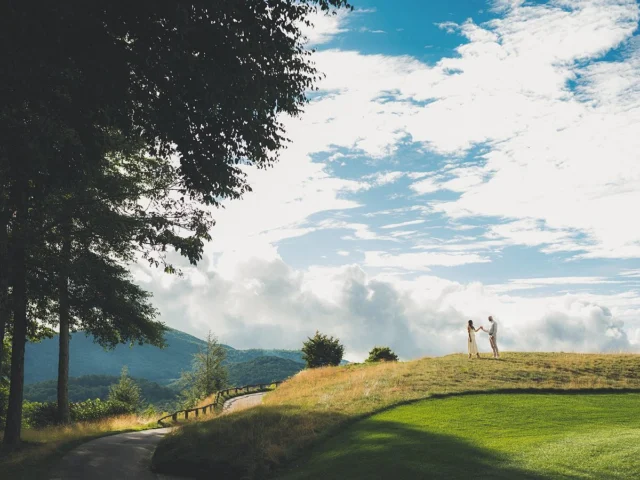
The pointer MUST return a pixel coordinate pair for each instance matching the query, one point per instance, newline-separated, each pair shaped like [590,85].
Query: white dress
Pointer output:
[473,346]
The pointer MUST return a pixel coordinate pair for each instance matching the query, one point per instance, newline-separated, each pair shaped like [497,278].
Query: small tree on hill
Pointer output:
[126,391]
[382,354]
[322,350]
[208,374]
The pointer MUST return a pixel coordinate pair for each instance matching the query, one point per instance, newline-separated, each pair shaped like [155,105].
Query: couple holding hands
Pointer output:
[493,333]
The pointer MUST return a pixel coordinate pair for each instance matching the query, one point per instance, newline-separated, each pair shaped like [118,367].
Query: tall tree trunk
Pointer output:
[5,310]
[19,297]
[63,300]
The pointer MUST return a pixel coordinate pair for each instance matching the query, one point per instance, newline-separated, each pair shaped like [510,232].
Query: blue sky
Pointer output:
[460,159]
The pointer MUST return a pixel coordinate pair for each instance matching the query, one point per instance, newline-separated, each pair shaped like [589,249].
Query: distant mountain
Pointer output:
[262,370]
[158,365]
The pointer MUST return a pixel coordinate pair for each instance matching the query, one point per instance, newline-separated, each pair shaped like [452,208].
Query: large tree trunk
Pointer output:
[19,297]
[63,356]
[5,310]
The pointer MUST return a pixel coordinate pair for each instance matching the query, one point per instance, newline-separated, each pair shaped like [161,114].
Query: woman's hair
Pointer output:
[471,323]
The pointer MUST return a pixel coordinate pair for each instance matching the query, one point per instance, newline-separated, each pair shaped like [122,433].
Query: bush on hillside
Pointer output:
[43,414]
[382,354]
[322,350]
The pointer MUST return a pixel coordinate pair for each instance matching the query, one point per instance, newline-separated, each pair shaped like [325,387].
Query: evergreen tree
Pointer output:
[126,391]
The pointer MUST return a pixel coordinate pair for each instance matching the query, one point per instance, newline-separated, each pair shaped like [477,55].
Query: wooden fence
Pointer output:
[218,402]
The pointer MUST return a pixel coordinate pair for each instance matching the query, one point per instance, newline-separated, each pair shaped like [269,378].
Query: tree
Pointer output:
[321,351]
[208,374]
[384,354]
[105,220]
[203,82]
[126,391]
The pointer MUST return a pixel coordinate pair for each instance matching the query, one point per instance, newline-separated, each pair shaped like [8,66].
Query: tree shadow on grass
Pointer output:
[392,450]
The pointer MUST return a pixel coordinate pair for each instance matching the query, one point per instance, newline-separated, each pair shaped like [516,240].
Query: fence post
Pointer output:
[174,417]
[186,414]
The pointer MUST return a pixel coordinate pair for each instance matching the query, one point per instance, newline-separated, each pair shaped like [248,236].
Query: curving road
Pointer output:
[126,456]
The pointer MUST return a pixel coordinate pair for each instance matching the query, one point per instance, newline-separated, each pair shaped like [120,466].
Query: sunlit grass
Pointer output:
[524,436]
[41,447]
[316,403]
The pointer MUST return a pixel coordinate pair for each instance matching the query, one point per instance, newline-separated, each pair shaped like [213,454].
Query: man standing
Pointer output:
[493,337]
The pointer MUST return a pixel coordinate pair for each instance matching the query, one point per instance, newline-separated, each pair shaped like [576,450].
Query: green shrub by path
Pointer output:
[524,436]
[39,415]
[319,402]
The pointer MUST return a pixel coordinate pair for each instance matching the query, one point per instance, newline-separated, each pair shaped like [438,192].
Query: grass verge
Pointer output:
[42,448]
[317,403]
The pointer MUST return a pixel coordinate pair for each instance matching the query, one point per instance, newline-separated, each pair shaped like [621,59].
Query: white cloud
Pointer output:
[270,305]
[532,283]
[403,224]
[325,26]
[420,261]
[558,171]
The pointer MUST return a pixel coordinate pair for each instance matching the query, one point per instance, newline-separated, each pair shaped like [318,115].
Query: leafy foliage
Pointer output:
[205,83]
[322,350]
[126,391]
[384,354]
[208,374]
[38,415]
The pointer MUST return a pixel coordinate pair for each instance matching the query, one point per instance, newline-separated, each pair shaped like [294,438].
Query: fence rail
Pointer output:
[218,402]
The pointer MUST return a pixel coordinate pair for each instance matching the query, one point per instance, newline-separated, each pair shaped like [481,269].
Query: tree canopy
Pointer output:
[94,95]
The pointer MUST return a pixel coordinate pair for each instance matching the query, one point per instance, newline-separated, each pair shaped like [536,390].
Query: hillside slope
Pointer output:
[144,361]
[316,402]
[262,370]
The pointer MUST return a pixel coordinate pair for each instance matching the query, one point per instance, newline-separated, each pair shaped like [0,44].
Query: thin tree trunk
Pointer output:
[63,356]
[19,297]
[5,310]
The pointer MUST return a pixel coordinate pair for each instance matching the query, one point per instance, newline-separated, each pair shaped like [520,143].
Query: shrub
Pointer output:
[43,414]
[384,354]
[321,350]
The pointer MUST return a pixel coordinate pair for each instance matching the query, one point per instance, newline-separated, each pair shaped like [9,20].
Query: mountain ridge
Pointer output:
[143,361]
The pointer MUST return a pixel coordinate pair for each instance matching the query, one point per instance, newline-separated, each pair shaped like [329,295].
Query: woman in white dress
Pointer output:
[473,346]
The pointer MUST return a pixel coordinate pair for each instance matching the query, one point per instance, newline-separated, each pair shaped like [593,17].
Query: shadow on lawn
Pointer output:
[391,450]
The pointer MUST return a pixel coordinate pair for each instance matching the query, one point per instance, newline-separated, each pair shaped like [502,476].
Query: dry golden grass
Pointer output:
[41,447]
[360,389]
[316,402]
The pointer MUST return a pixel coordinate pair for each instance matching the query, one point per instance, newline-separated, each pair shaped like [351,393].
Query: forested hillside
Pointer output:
[97,386]
[148,362]
[262,370]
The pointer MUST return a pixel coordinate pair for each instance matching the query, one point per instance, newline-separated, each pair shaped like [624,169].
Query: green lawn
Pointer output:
[528,436]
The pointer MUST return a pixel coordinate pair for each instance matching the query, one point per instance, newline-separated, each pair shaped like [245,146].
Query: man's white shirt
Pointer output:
[494,328]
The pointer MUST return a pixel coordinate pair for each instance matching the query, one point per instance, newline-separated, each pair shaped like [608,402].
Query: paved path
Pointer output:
[245,401]
[126,456]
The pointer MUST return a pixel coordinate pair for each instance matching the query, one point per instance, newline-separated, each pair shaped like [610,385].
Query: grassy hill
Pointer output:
[158,365]
[318,404]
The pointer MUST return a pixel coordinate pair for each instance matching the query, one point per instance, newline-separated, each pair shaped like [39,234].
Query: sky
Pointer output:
[460,159]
